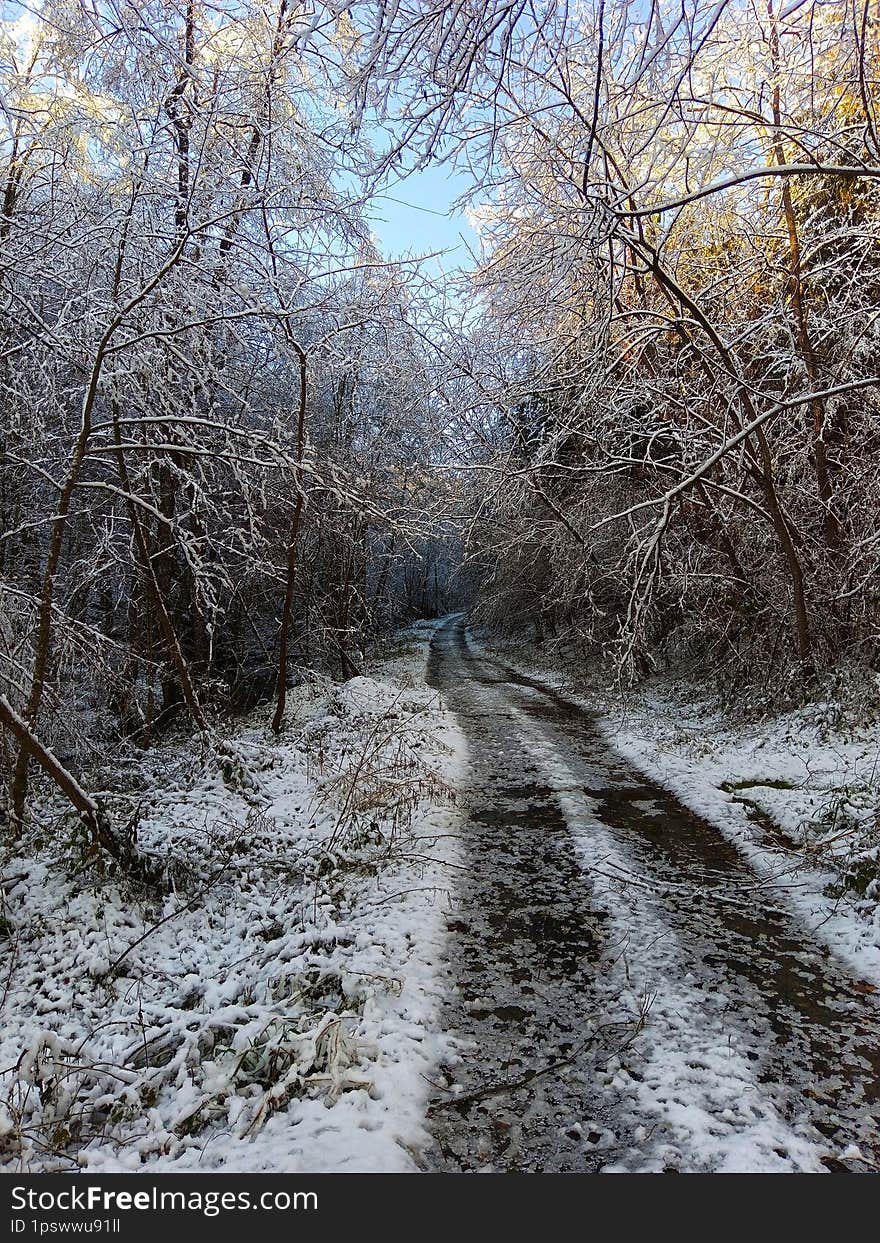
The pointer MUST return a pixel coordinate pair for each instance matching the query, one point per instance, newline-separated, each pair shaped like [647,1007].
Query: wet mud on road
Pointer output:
[626,995]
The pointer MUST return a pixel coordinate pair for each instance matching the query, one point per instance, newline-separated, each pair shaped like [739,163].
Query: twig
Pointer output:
[512,1085]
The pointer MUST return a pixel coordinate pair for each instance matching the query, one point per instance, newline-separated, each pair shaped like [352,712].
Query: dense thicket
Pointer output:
[215,415]
[678,427]
[223,412]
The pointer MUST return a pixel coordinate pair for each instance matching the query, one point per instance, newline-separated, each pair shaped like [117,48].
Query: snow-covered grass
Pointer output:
[798,792]
[269,999]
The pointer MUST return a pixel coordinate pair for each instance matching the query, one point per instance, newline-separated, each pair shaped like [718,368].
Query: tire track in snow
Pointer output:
[758,1053]
[699,1083]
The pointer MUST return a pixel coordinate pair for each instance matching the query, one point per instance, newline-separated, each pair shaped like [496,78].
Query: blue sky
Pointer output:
[414,216]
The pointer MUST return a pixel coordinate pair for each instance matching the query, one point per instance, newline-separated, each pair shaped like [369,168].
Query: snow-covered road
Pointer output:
[630,995]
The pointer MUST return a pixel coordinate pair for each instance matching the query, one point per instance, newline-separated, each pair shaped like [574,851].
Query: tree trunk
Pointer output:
[292,547]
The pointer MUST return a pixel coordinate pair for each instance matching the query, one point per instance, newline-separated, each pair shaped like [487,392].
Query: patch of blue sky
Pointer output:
[415,215]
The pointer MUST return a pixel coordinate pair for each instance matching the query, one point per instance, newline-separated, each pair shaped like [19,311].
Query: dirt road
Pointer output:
[629,994]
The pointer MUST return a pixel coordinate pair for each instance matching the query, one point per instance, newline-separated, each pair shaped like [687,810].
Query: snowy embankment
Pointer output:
[798,793]
[271,1002]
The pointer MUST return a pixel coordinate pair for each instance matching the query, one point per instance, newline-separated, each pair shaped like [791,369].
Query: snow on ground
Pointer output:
[798,793]
[272,1002]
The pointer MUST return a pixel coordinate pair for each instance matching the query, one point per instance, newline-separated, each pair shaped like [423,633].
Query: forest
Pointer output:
[254,465]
